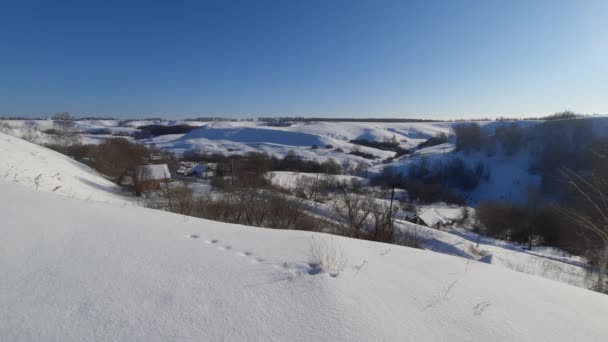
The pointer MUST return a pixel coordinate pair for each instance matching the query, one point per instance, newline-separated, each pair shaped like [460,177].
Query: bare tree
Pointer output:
[30,132]
[118,158]
[361,169]
[592,217]
[65,132]
[532,208]
[139,176]
[352,211]
[306,187]
[362,216]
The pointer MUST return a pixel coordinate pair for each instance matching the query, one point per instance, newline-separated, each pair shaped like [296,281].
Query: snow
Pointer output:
[431,217]
[508,178]
[547,262]
[80,269]
[256,135]
[446,212]
[41,168]
[90,271]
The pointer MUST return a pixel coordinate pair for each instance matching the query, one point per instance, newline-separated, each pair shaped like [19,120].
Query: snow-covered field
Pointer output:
[91,271]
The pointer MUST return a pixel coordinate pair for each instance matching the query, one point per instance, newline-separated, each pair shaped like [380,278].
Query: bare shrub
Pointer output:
[326,253]
[306,187]
[5,128]
[30,132]
[352,214]
[180,197]
[410,237]
[468,137]
[362,216]
[257,208]
[464,215]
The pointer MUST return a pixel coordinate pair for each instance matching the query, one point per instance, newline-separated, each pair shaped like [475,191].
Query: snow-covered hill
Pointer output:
[89,271]
[506,178]
[43,169]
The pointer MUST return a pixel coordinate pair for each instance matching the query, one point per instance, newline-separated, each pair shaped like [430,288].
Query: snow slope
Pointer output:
[41,168]
[547,262]
[256,134]
[88,271]
[508,178]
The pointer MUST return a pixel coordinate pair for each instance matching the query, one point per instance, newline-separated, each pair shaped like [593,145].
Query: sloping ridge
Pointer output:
[46,170]
[87,271]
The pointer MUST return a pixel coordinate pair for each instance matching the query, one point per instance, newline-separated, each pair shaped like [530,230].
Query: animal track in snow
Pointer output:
[306,269]
[293,268]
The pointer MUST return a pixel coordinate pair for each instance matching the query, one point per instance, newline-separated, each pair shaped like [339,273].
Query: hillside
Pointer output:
[505,177]
[88,271]
[43,169]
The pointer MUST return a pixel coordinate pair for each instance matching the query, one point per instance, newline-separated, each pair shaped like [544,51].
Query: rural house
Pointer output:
[151,176]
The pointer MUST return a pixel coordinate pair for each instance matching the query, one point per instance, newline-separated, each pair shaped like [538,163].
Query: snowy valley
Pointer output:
[89,261]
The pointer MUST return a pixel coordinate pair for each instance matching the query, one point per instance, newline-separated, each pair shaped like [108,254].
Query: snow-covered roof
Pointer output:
[198,168]
[154,172]
[431,217]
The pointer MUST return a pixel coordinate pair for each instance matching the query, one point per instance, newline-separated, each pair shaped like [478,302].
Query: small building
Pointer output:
[430,218]
[151,176]
[199,170]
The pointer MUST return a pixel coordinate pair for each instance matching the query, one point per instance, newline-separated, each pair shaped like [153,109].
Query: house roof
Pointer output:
[198,168]
[431,217]
[154,172]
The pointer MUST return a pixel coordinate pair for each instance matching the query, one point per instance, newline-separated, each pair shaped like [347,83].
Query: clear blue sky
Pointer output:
[429,59]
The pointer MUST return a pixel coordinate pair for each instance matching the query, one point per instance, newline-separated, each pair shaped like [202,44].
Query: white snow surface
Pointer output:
[84,271]
[432,217]
[44,169]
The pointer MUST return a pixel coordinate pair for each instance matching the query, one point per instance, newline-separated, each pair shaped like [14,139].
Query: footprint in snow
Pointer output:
[252,259]
[307,268]
[256,260]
